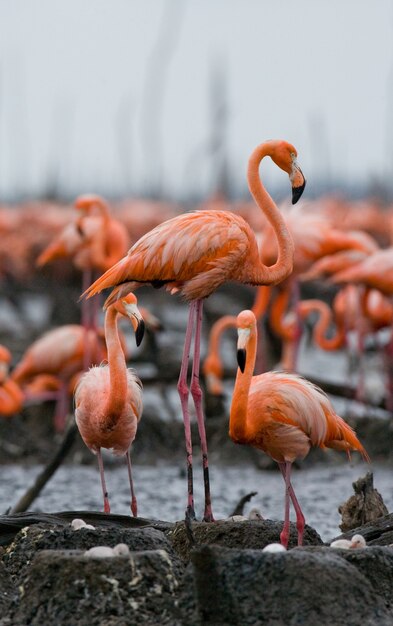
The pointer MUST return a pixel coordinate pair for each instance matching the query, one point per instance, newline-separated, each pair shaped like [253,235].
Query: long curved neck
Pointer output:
[228,321]
[212,362]
[261,301]
[238,415]
[103,209]
[117,367]
[323,324]
[284,264]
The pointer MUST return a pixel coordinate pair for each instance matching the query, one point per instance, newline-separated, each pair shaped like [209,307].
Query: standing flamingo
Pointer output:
[60,352]
[108,399]
[94,240]
[283,415]
[374,271]
[194,253]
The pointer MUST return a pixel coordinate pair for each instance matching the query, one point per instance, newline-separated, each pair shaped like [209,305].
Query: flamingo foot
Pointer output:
[190,513]
[208,516]
[284,537]
[134,507]
[59,422]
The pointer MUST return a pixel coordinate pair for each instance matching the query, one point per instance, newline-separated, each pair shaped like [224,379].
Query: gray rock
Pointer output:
[376,564]
[247,534]
[30,540]
[299,587]
[70,589]
[376,533]
[6,589]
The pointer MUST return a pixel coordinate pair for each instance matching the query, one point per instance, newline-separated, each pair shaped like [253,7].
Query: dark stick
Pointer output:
[32,493]
[238,510]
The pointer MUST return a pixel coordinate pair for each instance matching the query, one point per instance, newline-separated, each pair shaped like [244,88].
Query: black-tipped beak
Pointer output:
[140,331]
[241,358]
[79,228]
[297,192]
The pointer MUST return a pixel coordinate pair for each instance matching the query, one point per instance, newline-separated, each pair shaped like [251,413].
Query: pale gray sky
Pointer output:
[76,90]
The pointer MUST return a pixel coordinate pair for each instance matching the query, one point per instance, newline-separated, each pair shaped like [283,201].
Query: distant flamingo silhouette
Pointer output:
[61,353]
[283,415]
[108,399]
[95,241]
[194,253]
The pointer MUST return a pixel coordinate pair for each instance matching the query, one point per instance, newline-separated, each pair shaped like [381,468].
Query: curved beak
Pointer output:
[241,359]
[139,331]
[79,226]
[137,321]
[298,182]
[242,341]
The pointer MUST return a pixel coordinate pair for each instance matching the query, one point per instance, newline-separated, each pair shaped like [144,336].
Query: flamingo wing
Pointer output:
[290,400]
[206,247]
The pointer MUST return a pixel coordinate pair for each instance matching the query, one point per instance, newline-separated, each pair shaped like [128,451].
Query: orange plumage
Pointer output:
[108,399]
[194,254]
[282,414]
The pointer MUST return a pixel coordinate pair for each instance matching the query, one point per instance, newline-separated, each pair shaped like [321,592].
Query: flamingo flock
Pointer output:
[192,255]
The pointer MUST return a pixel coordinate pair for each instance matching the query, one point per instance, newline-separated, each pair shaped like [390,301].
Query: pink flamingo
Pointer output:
[193,254]
[108,398]
[283,415]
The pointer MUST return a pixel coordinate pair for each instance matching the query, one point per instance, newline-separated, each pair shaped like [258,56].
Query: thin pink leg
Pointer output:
[196,393]
[87,277]
[134,506]
[61,408]
[300,520]
[95,307]
[107,508]
[284,535]
[183,393]
[86,318]
[95,304]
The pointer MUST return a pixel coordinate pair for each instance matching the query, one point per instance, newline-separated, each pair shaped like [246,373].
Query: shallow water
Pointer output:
[161,490]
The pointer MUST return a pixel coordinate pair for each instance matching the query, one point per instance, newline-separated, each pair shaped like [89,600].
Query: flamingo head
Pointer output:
[246,324]
[86,202]
[284,155]
[128,306]
[358,541]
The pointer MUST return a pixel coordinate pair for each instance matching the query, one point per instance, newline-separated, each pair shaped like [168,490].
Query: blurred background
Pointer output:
[156,107]
[168,98]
